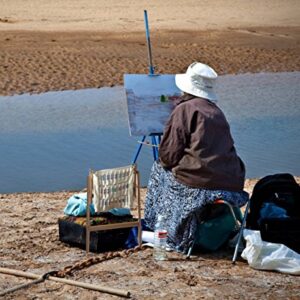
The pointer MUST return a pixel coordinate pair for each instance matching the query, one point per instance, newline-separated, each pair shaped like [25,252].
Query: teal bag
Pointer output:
[215,230]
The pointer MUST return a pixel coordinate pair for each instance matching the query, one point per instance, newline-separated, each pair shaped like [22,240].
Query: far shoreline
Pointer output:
[40,61]
[249,185]
[37,92]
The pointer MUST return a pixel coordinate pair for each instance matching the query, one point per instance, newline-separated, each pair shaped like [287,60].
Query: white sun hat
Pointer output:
[199,80]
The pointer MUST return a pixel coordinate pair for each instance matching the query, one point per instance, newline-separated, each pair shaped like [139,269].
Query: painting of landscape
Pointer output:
[150,100]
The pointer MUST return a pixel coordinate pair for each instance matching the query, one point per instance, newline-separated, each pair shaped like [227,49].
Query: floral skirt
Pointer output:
[179,205]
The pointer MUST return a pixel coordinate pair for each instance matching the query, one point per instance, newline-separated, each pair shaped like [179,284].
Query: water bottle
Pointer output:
[160,239]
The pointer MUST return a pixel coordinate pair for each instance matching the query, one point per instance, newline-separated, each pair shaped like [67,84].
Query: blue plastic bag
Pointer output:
[76,206]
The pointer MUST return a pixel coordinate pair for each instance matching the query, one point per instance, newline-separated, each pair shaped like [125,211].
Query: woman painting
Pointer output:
[197,162]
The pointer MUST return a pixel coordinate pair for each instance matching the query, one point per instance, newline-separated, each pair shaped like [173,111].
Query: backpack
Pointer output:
[275,210]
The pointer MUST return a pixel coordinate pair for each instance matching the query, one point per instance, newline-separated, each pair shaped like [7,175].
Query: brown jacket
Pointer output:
[197,146]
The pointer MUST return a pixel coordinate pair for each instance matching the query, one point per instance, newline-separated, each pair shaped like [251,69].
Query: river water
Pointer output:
[49,141]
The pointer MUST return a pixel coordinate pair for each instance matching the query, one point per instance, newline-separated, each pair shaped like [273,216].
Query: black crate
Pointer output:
[100,241]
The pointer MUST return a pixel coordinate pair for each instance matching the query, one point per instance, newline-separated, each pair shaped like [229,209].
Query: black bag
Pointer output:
[283,191]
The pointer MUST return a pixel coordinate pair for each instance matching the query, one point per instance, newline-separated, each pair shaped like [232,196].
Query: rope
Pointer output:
[68,270]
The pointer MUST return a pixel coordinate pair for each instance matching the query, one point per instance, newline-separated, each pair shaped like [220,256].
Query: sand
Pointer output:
[127,15]
[61,45]
[29,242]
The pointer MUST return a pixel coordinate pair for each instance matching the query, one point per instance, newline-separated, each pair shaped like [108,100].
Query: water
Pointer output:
[264,114]
[48,142]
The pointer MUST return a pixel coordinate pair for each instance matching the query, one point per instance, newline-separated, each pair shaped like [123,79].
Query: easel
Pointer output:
[155,137]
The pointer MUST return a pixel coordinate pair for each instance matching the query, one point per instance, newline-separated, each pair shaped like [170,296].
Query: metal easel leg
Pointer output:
[240,233]
[138,150]
[154,148]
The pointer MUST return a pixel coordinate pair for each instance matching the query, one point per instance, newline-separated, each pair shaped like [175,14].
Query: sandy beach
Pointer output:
[63,45]
[30,243]
[60,45]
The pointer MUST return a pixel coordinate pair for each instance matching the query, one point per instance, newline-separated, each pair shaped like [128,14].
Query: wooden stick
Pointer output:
[139,208]
[88,213]
[21,286]
[89,286]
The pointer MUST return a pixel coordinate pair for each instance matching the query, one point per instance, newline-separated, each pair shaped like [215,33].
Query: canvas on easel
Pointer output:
[150,101]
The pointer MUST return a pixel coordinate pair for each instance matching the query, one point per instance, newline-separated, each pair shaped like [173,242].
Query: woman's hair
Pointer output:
[187,96]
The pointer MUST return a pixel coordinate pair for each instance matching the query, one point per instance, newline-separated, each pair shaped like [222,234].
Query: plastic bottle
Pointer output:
[160,239]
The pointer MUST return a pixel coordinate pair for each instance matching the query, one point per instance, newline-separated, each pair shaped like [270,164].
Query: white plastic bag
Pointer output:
[148,236]
[269,256]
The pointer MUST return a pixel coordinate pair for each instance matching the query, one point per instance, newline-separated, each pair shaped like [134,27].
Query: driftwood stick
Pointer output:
[21,286]
[89,286]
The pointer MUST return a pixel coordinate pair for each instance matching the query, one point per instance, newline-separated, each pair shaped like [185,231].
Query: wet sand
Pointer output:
[34,62]
[61,45]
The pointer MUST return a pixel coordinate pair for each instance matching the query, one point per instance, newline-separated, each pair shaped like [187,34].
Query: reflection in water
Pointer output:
[49,141]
